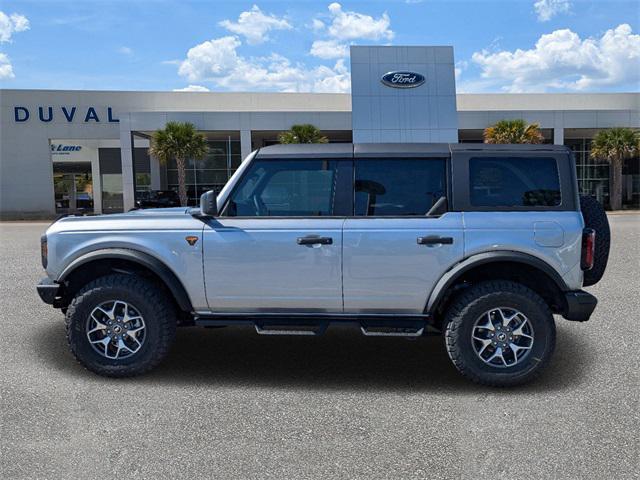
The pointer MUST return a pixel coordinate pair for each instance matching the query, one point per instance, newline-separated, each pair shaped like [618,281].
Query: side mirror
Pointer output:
[208,204]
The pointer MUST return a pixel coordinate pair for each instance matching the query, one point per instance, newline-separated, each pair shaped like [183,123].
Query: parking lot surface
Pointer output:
[228,403]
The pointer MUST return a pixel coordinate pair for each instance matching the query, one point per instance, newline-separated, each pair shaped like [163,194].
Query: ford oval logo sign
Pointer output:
[402,79]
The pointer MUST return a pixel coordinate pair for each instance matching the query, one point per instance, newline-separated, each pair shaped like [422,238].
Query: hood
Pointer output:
[158,211]
[142,219]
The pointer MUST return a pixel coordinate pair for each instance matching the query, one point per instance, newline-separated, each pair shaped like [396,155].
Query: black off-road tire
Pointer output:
[151,301]
[595,217]
[470,305]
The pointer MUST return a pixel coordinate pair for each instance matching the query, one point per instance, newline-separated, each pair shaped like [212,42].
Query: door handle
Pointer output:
[314,240]
[435,240]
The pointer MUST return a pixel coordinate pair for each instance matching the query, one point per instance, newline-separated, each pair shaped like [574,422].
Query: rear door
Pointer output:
[520,198]
[393,252]
[277,246]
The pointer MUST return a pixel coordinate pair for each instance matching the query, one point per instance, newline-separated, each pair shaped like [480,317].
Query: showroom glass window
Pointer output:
[285,188]
[210,173]
[514,182]
[398,187]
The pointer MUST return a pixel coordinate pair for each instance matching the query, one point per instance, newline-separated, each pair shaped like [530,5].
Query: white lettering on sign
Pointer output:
[402,79]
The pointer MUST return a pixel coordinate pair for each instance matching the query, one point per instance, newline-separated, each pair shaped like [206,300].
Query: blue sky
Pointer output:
[500,46]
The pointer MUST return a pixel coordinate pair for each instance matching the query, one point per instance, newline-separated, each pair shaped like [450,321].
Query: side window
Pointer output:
[285,188]
[398,187]
[514,182]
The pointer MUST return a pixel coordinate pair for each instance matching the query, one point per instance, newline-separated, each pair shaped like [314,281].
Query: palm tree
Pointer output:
[304,133]
[179,141]
[513,131]
[615,145]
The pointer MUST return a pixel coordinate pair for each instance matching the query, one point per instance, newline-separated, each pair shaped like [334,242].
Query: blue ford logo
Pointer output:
[402,79]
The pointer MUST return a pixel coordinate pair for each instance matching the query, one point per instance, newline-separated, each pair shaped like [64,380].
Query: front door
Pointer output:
[394,253]
[73,187]
[277,245]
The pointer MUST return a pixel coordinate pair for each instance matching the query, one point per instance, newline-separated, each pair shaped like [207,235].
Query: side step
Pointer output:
[310,325]
[313,329]
[401,328]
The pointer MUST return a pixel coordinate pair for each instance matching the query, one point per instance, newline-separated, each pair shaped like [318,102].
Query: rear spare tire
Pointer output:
[595,217]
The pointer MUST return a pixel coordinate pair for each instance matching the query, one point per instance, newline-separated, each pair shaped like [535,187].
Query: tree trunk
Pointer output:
[182,182]
[616,185]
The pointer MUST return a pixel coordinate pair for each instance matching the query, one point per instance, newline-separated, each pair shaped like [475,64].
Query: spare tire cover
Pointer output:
[595,217]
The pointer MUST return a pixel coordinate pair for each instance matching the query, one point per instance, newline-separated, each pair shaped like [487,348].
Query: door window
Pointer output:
[285,188]
[514,182]
[398,187]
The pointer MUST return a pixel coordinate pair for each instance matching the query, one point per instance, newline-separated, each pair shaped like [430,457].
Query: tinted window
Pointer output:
[514,182]
[290,188]
[398,187]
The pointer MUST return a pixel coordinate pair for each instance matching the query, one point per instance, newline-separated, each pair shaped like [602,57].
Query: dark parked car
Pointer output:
[158,199]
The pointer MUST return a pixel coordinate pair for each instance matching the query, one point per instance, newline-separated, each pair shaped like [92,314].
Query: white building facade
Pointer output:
[86,151]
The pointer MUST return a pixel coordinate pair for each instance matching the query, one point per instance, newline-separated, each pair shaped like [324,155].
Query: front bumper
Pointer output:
[579,305]
[48,290]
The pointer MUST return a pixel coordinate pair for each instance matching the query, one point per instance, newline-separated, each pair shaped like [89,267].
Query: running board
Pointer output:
[274,328]
[371,325]
[391,331]
[398,328]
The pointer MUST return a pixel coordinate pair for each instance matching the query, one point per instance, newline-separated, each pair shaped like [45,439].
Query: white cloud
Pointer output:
[562,60]
[192,88]
[10,24]
[254,25]
[347,25]
[125,51]
[6,69]
[211,58]
[217,61]
[332,80]
[329,49]
[547,9]
[317,25]
[460,66]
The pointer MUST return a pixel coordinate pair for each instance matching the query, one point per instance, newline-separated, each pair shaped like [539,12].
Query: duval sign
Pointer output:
[402,79]
[46,114]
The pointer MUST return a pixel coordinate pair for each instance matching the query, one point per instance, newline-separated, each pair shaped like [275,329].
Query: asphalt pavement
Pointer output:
[228,403]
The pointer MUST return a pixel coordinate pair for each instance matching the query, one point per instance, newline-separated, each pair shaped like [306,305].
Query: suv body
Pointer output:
[397,238]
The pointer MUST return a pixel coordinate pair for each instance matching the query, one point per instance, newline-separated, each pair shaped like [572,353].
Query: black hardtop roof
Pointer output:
[342,150]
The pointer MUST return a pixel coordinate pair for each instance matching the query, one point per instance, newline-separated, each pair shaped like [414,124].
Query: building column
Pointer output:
[558,136]
[245,143]
[96,182]
[126,159]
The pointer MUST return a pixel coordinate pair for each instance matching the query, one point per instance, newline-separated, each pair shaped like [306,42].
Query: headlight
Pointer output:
[43,250]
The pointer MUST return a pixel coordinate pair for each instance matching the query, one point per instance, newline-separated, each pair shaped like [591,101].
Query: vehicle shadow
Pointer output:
[342,359]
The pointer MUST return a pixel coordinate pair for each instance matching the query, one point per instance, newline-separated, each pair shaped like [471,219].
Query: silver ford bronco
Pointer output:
[480,243]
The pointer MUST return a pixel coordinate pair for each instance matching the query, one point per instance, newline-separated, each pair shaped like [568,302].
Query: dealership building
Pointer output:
[86,151]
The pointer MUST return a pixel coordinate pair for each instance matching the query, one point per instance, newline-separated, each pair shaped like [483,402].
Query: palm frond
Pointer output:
[513,131]
[304,133]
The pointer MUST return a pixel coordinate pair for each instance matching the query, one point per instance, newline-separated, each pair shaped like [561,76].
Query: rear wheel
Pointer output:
[120,325]
[500,333]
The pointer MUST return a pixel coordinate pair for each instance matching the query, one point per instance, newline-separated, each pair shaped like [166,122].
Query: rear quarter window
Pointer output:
[514,182]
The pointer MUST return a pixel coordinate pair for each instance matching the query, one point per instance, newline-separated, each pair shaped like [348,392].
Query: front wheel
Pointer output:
[120,325]
[500,333]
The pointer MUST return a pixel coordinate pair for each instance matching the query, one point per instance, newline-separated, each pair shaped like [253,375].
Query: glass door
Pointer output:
[73,188]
